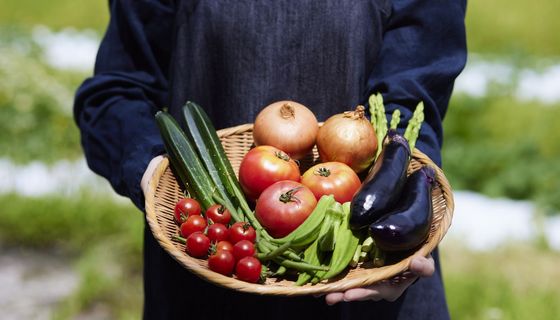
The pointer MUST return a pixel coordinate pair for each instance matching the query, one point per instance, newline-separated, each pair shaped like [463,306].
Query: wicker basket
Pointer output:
[163,192]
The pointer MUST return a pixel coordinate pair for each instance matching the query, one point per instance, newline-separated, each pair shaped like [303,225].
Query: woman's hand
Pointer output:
[149,172]
[389,290]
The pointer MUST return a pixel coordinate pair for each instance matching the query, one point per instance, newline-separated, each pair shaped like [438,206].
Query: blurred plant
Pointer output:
[503,147]
[35,104]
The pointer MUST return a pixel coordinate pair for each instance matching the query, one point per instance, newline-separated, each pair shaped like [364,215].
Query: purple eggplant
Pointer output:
[382,187]
[408,225]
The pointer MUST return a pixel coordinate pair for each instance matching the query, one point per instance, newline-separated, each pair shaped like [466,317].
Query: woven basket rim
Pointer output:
[366,276]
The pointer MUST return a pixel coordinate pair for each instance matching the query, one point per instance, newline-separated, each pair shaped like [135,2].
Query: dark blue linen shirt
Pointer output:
[234,57]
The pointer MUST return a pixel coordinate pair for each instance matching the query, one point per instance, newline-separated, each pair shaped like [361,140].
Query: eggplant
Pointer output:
[408,225]
[383,185]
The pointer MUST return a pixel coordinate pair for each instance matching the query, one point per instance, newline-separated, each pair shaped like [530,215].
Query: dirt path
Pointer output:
[32,283]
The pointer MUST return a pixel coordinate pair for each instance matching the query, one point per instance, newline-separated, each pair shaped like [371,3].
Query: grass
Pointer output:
[102,237]
[515,282]
[509,27]
[57,14]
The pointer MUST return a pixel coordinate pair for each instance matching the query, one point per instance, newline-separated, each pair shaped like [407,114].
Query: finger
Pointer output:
[362,294]
[421,266]
[333,298]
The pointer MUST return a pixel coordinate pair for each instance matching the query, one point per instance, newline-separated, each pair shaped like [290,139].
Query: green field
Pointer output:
[495,145]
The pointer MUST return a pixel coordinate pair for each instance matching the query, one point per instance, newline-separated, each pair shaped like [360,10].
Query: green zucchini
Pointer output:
[203,134]
[184,159]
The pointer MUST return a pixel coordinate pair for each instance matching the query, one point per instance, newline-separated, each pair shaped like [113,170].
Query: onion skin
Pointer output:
[348,138]
[288,126]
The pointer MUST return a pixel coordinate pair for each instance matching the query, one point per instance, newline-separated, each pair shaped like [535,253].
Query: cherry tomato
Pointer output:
[186,207]
[197,245]
[242,249]
[248,269]
[283,206]
[264,165]
[334,178]
[242,231]
[217,232]
[192,225]
[218,214]
[224,245]
[222,262]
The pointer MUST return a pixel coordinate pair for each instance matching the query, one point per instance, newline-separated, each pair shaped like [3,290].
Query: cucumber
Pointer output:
[202,133]
[184,159]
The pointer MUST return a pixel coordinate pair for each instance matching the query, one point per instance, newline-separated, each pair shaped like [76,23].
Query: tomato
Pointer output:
[218,214]
[248,269]
[192,225]
[242,231]
[186,207]
[197,245]
[217,232]
[334,178]
[222,262]
[242,249]
[264,165]
[283,206]
[224,245]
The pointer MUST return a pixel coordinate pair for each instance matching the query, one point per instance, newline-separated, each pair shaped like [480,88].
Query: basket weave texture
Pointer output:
[164,191]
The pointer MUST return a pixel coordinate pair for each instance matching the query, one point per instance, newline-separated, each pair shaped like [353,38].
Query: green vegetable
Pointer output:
[308,231]
[378,119]
[346,243]
[414,125]
[184,159]
[395,119]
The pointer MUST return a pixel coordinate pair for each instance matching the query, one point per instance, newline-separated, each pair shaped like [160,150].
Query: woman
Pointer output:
[235,57]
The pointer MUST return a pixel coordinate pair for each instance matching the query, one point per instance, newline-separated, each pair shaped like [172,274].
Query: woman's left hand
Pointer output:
[389,290]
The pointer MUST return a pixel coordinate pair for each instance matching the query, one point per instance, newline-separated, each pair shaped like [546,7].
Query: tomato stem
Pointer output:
[282,155]
[289,196]
[323,172]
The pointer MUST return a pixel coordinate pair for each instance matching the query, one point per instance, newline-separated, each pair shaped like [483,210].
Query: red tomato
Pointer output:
[242,231]
[334,178]
[283,206]
[192,225]
[242,249]
[248,269]
[217,232]
[186,207]
[218,214]
[264,165]
[224,245]
[222,262]
[197,245]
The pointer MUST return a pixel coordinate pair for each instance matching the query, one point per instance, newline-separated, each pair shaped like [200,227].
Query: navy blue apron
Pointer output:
[234,57]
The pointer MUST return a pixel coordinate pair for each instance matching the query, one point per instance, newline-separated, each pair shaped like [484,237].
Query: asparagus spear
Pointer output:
[395,118]
[414,124]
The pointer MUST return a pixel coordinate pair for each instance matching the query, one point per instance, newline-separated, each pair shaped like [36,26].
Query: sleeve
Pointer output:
[114,109]
[423,51]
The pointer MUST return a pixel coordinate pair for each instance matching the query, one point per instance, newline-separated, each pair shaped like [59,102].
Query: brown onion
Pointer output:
[349,138]
[288,126]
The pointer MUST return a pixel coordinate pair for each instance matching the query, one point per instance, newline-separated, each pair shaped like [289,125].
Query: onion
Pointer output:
[288,126]
[349,138]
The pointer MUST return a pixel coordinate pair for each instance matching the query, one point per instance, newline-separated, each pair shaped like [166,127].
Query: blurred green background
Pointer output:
[501,142]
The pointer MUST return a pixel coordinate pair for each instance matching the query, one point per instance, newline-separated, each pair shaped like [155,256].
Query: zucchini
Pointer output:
[203,134]
[184,159]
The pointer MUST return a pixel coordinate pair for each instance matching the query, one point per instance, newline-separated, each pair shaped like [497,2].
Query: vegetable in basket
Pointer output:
[288,126]
[408,224]
[348,138]
[382,187]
